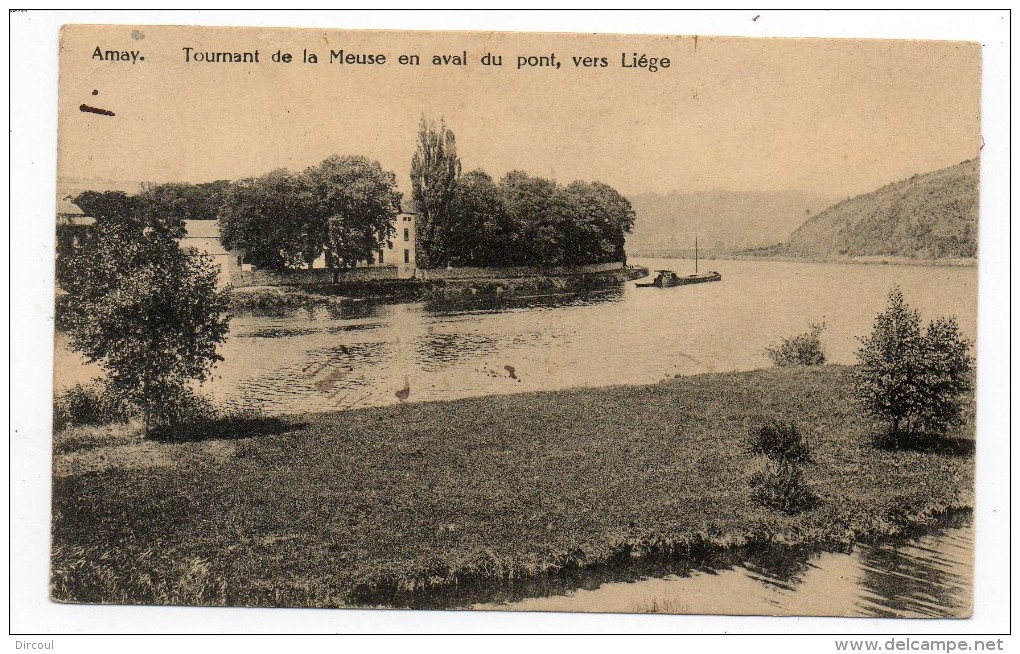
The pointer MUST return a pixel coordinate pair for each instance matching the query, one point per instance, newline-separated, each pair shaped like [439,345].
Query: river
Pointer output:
[361,353]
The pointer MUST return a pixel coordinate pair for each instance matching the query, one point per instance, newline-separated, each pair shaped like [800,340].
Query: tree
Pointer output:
[539,215]
[479,224]
[147,311]
[184,200]
[274,219]
[601,220]
[800,350]
[435,168]
[343,208]
[911,378]
[356,203]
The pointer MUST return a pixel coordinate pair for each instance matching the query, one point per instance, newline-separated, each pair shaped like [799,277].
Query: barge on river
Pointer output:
[668,278]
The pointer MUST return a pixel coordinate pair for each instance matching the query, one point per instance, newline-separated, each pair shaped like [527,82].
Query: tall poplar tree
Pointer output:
[435,168]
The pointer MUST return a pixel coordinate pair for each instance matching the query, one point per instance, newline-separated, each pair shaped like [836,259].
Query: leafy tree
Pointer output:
[539,214]
[601,220]
[355,205]
[142,307]
[184,200]
[910,377]
[274,219]
[342,208]
[435,168]
[480,229]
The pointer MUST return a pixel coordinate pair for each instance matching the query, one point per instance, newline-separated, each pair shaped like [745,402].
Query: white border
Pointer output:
[33,149]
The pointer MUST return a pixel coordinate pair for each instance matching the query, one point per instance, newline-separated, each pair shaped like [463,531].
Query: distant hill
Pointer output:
[928,216]
[722,220]
[72,186]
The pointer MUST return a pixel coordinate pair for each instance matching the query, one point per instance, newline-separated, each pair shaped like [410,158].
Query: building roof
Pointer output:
[67,208]
[202,229]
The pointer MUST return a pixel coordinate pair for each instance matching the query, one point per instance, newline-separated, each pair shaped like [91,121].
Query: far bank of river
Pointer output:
[880,260]
[433,284]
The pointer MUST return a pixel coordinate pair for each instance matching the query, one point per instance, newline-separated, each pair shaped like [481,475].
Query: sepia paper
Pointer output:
[529,416]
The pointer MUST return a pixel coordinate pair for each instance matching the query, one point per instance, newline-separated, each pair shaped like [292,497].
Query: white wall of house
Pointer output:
[399,250]
[204,236]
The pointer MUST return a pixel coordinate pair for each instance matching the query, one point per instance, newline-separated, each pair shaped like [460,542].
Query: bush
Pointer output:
[182,407]
[913,378]
[778,440]
[88,404]
[780,487]
[800,350]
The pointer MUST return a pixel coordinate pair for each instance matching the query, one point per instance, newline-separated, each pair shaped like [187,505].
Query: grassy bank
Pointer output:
[383,505]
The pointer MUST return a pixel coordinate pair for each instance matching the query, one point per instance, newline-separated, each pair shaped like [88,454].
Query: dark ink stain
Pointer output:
[95,110]
[695,43]
[756,17]
[95,91]
[404,392]
[511,370]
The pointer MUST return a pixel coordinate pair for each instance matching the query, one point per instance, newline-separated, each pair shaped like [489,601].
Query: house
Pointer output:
[399,250]
[204,236]
[72,225]
[398,253]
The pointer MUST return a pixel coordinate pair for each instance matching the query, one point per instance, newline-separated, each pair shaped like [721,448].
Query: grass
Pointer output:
[397,505]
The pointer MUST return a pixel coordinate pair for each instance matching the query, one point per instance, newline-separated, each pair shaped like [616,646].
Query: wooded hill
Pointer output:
[928,216]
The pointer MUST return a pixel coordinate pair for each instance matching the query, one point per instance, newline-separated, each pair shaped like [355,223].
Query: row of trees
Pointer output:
[344,208]
[470,220]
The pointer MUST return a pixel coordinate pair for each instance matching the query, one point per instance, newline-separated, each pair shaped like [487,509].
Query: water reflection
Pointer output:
[464,301]
[917,579]
[924,577]
[339,309]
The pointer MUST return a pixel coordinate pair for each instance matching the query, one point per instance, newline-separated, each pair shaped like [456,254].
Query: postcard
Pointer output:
[515,321]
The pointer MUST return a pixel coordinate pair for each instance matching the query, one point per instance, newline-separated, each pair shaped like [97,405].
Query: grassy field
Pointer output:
[379,506]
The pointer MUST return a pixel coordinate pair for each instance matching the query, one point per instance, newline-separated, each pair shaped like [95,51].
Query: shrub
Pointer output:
[800,350]
[778,440]
[780,487]
[88,404]
[913,378]
[182,407]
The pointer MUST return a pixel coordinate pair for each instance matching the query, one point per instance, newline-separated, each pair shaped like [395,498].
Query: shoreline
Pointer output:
[877,260]
[411,502]
[260,298]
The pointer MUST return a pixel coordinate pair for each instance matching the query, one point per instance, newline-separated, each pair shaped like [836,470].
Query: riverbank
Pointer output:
[397,505]
[276,297]
[880,260]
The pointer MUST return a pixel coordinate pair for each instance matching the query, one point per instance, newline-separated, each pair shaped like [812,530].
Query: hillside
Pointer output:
[722,220]
[928,216]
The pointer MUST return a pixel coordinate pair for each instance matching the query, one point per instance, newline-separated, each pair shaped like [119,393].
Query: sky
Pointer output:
[831,117]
